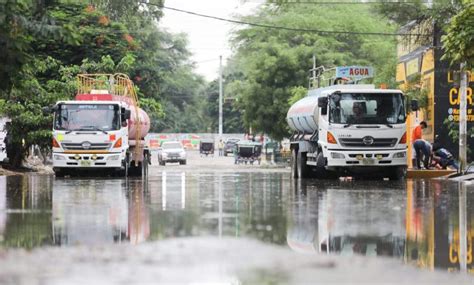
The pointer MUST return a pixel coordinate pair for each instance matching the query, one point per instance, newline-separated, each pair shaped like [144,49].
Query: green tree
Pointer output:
[458,43]
[50,60]
[275,61]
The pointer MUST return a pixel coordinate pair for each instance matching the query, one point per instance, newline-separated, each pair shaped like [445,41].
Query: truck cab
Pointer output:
[90,134]
[349,130]
[362,126]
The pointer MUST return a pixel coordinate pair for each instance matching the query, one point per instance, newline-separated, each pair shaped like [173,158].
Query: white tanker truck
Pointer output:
[102,129]
[349,129]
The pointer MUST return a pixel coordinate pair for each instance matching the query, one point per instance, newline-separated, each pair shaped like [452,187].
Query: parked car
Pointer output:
[172,151]
[229,145]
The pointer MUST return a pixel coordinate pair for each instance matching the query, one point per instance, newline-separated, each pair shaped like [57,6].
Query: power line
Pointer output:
[354,2]
[322,32]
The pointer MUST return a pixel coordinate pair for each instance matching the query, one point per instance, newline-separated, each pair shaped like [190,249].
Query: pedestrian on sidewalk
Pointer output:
[220,146]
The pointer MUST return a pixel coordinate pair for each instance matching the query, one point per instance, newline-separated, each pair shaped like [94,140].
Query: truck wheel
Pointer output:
[145,165]
[135,170]
[302,168]
[397,173]
[123,172]
[294,171]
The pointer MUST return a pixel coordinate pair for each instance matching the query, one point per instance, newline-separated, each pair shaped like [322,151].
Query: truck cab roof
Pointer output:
[350,88]
[76,102]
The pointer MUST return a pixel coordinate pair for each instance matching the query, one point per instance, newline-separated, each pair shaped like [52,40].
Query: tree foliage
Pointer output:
[458,43]
[45,44]
[274,62]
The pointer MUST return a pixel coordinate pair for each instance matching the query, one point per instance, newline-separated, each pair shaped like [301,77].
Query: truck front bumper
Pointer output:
[365,158]
[102,160]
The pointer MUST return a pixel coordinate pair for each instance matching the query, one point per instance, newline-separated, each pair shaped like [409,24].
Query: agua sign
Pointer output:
[355,72]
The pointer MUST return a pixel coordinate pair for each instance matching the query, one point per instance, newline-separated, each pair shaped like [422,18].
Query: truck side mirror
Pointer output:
[414,105]
[323,104]
[47,110]
[127,114]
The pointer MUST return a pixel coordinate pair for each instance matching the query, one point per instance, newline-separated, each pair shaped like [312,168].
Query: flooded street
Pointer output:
[414,222]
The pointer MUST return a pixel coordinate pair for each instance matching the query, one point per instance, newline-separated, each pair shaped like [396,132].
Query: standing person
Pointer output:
[418,131]
[423,152]
[417,134]
[220,145]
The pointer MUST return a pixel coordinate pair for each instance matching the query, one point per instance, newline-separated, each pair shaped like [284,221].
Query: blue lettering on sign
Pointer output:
[356,72]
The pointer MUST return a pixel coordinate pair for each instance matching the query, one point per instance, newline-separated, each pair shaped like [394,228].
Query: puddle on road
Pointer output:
[416,222]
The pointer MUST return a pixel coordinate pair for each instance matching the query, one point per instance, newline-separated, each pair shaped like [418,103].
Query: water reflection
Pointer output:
[434,209]
[40,210]
[417,222]
[348,218]
[25,211]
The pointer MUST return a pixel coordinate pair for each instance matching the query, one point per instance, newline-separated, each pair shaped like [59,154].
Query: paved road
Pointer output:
[215,163]
[211,221]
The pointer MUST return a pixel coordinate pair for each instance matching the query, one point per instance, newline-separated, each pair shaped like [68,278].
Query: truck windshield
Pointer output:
[83,117]
[366,108]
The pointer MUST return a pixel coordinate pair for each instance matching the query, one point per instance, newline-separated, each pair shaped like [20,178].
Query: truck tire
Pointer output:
[145,164]
[294,171]
[302,168]
[397,173]
[321,172]
[135,170]
[123,172]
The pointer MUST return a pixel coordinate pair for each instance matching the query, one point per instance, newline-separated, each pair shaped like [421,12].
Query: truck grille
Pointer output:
[390,142]
[86,146]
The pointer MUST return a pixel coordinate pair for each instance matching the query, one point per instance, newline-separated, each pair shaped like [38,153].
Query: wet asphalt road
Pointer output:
[414,222]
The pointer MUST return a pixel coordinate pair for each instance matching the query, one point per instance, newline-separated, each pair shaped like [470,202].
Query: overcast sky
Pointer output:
[208,38]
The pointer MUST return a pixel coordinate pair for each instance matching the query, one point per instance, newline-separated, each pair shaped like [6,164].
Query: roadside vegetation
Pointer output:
[272,64]
[45,44]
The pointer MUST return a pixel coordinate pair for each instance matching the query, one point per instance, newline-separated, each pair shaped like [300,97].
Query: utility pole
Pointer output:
[463,119]
[220,97]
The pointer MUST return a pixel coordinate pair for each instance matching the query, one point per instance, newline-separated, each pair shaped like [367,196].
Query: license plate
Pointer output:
[368,161]
[85,163]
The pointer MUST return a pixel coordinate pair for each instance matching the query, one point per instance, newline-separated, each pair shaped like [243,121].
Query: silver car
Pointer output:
[172,151]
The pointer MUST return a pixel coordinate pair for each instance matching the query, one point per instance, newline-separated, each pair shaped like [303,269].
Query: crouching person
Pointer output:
[444,158]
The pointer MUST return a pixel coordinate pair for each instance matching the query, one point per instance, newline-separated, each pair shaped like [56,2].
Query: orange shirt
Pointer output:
[417,134]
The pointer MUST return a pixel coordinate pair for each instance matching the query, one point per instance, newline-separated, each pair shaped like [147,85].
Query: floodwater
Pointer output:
[416,222]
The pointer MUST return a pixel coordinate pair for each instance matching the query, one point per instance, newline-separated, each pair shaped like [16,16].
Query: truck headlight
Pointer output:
[113,157]
[59,157]
[337,155]
[182,154]
[400,154]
